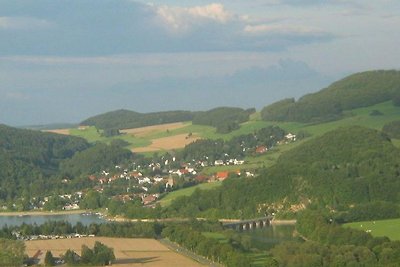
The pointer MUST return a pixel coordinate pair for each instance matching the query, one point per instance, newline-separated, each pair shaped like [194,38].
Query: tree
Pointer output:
[103,255]
[70,257]
[86,255]
[11,252]
[49,259]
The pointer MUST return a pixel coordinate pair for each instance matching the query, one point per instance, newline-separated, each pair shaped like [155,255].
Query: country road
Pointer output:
[187,253]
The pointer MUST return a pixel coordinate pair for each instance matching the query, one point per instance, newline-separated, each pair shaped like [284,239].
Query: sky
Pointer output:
[66,60]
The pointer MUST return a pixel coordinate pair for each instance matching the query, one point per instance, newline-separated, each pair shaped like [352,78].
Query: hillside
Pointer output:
[27,157]
[224,119]
[355,91]
[343,167]
[126,119]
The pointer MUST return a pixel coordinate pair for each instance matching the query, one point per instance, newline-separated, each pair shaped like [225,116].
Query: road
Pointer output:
[187,253]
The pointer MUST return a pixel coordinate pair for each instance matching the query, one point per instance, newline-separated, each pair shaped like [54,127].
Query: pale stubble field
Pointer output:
[128,251]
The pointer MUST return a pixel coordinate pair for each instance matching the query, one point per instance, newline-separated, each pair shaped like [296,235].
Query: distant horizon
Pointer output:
[65,61]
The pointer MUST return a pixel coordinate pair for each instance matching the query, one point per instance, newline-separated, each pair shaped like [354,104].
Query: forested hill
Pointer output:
[126,119]
[224,119]
[358,90]
[27,155]
[344,167]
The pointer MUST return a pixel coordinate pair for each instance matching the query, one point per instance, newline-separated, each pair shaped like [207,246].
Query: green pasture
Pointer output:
[389,228]
[165,201]
[361,117]
[92,135]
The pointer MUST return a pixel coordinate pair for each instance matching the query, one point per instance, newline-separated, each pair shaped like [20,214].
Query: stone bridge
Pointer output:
[243,225]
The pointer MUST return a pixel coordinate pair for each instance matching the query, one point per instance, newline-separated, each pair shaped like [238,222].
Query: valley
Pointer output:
[325,166]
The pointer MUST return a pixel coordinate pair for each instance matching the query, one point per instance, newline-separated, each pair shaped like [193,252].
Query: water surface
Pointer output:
[17,220]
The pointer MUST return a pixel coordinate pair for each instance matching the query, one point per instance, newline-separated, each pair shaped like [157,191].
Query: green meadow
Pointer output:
[389,228]
[91,134]
[165,201]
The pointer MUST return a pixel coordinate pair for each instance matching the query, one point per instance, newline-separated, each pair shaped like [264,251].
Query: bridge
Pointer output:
[243,225]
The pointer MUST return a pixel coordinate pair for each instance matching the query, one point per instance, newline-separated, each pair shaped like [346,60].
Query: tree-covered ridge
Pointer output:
[357,90]
[126,119]
[94,159]
[43,150]
[341,168]
[27,157]
[225,119]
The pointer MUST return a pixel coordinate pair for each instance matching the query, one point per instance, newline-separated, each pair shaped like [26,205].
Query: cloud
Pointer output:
[182,19]
[282,29]
[95,28]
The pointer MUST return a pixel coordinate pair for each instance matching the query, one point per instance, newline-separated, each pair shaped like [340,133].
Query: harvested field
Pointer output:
[144,131]
[128,251]
[58,131]
[167,143]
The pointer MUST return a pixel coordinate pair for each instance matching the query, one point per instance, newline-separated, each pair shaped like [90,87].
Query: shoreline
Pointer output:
[42,213]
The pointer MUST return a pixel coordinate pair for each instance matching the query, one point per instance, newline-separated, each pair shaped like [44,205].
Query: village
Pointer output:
[149,181]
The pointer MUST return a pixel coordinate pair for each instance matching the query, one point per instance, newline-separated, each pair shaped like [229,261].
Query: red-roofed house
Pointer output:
[261,149]
[222,175]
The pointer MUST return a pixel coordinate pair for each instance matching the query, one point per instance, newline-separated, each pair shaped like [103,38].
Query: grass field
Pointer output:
[165,201]
[128,251]
[389,228]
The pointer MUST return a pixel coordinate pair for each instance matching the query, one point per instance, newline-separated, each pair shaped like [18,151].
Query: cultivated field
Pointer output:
[167,143]
[58,131]
[128,251]
[146,131]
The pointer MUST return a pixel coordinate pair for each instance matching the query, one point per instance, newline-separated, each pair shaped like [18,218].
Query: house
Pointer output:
[222,175]
[149,199]
[238,162]
[219,162]
[290,137]
[170,183]
[261,149]
[144,180]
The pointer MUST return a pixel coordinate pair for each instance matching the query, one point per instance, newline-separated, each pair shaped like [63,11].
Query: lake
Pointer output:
[16,220]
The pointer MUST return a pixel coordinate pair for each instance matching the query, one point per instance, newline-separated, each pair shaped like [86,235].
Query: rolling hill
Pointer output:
[355,91]
[341,168]
[28,158]
[126,119]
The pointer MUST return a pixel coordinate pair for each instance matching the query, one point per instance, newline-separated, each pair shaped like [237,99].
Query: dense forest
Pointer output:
[358,90]
[28,158]
[126,119]
[94,159]
[224,119]
[342,168]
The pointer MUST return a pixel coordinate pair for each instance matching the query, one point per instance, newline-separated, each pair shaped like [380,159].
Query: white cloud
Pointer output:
[184,18]
[262,29]
[22,23]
